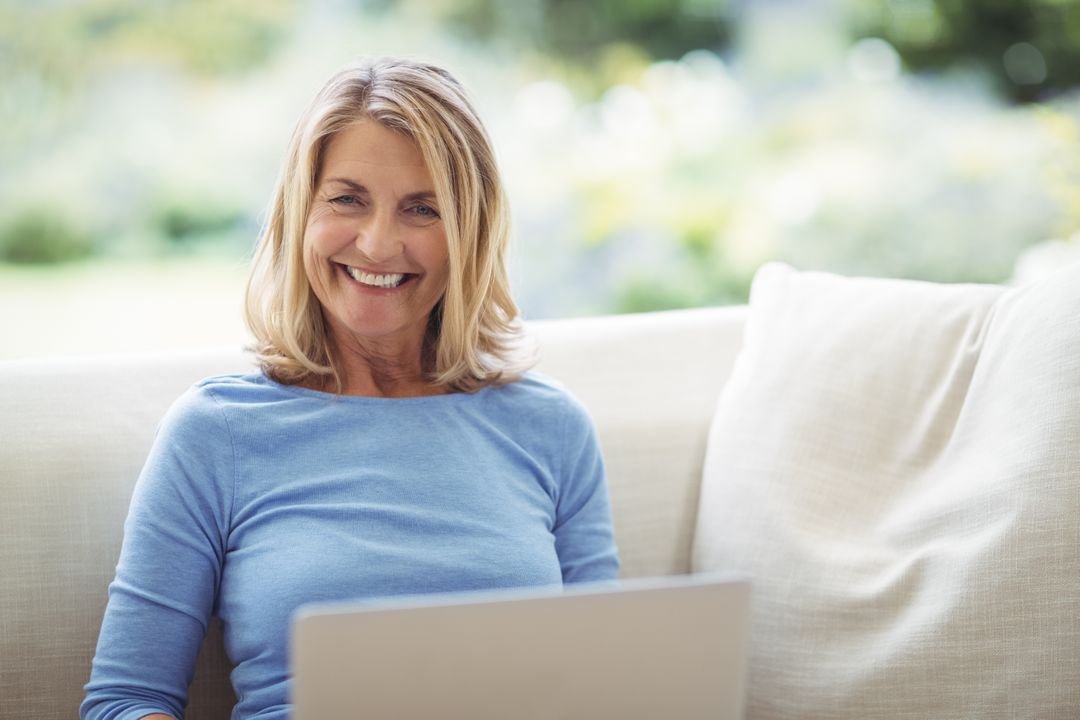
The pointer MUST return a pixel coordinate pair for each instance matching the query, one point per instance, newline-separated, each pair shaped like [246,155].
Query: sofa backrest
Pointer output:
[650,382]
[74,433]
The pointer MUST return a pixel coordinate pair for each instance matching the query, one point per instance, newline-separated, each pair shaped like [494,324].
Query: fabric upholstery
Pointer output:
[896,465]
[75,432]
[650,382]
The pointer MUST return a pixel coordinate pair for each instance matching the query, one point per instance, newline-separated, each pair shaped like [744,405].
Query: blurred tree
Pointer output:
[185,222]
[55,60]
[581,32]
[1030,47]
[39,236]
[62,42]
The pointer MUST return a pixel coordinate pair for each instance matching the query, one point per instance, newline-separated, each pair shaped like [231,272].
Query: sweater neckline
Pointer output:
[450,398]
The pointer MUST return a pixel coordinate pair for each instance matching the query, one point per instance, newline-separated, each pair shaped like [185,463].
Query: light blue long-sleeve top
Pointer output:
[259,497]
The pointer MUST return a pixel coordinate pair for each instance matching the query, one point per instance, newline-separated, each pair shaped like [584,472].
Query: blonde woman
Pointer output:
[391,442]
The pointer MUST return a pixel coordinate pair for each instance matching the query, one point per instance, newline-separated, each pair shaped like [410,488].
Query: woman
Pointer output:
[391,442]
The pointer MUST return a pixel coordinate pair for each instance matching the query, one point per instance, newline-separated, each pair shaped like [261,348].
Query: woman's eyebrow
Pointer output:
[351,184]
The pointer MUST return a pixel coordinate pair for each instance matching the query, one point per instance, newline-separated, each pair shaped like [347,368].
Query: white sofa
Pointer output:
[896,465]
[74,433]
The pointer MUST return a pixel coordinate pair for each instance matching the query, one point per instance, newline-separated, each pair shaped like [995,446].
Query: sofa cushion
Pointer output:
[897,466]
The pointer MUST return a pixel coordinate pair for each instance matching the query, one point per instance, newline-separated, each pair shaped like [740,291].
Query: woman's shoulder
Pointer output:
[236,386]
[536,385]
[211,400]
[545,416]
[544,394]
[238,390]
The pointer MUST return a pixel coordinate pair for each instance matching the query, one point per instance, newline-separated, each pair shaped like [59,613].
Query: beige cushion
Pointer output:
[897,465]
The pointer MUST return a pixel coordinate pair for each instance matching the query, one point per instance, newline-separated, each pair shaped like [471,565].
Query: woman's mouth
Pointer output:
[384,281]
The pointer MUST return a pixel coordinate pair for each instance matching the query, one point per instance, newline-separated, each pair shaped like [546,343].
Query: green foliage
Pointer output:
[582,31]
[40,237]
[65,42]
[1043,35]
[903,178]
[663,28]
[642,294]
[941,33]
[695,284]
[182,222]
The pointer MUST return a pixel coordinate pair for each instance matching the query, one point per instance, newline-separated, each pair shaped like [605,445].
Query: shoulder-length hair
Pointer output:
[473,336]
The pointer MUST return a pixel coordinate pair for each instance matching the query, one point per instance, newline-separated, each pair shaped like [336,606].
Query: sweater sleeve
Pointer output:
[584,536]
[170,567]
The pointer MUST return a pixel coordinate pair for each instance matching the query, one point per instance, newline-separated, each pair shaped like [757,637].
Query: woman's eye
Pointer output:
[424,211]
[345,200]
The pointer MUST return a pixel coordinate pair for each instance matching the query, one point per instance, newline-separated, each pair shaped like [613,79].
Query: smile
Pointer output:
[377,280]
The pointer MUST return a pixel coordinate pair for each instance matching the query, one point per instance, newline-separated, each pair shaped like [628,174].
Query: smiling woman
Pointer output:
[389,156]
[392,442]
[376,256]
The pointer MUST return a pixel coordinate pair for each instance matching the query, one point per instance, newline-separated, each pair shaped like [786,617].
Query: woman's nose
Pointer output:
[378,238]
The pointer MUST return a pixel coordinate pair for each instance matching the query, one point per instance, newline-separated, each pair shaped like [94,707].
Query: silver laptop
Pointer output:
[661,648]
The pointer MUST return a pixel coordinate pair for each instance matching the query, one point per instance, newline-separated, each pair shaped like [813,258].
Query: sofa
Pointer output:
[896,465]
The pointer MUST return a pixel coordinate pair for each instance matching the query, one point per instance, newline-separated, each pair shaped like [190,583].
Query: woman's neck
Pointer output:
[370,370]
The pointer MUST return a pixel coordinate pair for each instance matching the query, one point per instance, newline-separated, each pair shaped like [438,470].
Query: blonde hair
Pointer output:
[473,334]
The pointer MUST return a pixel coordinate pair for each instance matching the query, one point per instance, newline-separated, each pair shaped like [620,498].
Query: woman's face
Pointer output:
[375,247]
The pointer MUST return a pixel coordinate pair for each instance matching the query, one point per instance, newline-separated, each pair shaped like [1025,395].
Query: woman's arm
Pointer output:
[584,535]
[169,570]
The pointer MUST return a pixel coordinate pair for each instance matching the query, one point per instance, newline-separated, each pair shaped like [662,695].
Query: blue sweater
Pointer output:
[259,497]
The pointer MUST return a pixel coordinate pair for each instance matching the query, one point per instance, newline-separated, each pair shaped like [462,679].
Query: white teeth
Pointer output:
[383,281]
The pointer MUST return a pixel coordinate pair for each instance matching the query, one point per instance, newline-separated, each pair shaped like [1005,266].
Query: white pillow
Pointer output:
[897,466]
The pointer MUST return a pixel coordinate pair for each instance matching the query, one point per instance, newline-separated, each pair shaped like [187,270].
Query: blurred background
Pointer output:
[657,152]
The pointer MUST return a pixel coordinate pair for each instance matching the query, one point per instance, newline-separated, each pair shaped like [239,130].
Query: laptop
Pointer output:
[673,647]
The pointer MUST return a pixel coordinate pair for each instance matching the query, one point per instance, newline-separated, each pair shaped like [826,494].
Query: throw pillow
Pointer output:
[896,464]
